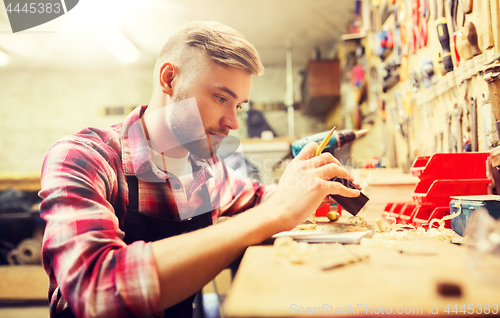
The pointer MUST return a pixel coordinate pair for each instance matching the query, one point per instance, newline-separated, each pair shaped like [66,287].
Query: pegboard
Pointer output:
[437,115]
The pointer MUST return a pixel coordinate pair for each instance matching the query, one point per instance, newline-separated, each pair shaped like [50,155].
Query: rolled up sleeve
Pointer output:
[240,194]
[83,249]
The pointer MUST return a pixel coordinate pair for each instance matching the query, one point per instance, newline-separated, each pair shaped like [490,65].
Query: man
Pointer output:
[125,206]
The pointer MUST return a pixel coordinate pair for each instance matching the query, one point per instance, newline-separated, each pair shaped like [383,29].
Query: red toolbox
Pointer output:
[441,176]
[466,165]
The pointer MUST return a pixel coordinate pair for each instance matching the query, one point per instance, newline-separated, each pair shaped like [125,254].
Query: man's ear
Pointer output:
[168,72]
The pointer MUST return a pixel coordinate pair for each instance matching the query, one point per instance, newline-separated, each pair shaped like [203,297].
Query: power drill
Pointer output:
[339,139]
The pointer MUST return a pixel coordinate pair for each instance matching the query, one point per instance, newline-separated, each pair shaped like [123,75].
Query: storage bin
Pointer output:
[442,176]
[466,165]
[468,204]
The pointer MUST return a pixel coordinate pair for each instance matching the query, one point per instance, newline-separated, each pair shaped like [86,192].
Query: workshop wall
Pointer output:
[411,105]
[41,106]
[271,87]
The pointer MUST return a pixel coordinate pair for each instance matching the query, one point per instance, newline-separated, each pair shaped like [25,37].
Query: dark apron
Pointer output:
[141,227]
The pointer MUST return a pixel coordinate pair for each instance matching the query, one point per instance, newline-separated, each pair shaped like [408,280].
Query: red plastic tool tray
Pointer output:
[467,165]
[441,176]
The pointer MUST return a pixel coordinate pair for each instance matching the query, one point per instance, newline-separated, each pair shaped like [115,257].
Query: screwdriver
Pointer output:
[444,38]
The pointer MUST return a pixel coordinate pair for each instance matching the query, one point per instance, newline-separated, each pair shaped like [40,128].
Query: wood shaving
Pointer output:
[311,219]
[382,226]
[309,224]
[356,228]
[447,217]
[303,227]
[357,220]
[388,240]
[288,251]
[346,260]
[442,233]
[446,235]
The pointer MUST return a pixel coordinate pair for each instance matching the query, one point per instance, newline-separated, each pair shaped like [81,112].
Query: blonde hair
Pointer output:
[220,43]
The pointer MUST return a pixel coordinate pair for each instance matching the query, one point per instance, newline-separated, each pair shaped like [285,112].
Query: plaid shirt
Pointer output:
[85,192]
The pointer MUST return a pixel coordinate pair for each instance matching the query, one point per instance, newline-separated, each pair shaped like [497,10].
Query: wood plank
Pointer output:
[20,181]
[32,312]
[265,288]
[26,282]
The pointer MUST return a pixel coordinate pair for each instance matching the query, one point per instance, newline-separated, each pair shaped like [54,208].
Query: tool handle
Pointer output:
[464,47]
[472,38]
[444,39]
[443,34]
[467,6]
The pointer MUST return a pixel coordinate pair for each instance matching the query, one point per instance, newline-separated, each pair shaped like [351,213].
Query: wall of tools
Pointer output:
[430,76]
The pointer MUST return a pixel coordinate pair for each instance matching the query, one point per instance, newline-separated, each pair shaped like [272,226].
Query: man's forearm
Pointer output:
[187,262]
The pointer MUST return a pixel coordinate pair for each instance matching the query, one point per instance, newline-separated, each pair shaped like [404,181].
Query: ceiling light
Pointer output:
[100,19]
[4,59]
[118,44]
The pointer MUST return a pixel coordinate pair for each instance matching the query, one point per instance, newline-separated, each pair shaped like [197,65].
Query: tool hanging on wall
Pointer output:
[415,81]
[385,41]
[473,128]
[383,116]
[444,37]
[472,38]
[467,6]
[373,90]
[482,9]
[401,115]
[420,15]
[463,46]
[404,36]
[450,136]
[457,13]
[390,75]
[433,12]
[488,126]
[491,75]
[457,22]
[427,70]
[495,27]
[466,111]
[457,123]
[397,35]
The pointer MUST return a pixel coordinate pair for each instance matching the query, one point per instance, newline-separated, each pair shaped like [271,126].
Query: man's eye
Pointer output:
[239,107]
[221,99]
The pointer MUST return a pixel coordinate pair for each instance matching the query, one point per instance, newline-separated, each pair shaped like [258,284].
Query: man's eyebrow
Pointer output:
[230,92]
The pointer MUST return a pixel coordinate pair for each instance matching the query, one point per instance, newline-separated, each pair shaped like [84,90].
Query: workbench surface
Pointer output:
[388,281]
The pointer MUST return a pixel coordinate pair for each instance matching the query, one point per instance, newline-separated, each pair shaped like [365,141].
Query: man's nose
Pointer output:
[230,121]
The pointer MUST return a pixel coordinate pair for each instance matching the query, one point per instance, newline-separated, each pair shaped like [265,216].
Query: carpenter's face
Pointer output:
[219,92]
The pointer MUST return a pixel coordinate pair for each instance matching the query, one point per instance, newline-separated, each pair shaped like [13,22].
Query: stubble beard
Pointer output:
[184,128]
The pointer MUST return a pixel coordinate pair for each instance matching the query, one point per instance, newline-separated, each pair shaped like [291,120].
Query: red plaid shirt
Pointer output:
[84,188]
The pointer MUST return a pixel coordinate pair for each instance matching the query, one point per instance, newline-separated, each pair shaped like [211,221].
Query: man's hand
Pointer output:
[305,184]
[302,187]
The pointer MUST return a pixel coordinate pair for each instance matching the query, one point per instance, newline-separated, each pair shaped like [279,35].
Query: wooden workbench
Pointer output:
[265,287]
[387,281]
